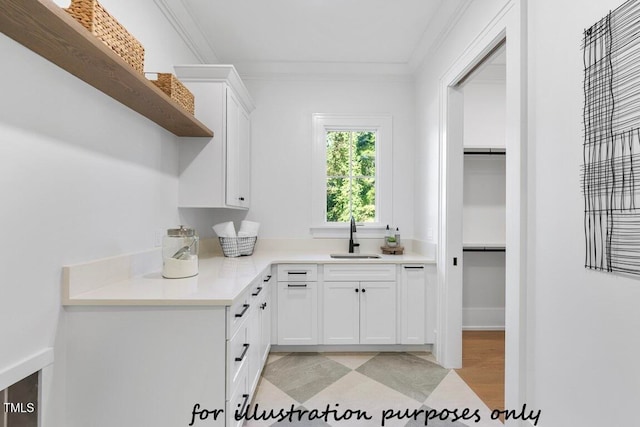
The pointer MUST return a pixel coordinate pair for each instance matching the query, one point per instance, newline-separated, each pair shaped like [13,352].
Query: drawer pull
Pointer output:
[304,285]
[244,352]
[364,290]
[414,266]
[266,279]
[263,305]
[258,290]
[244,310]
[299,273]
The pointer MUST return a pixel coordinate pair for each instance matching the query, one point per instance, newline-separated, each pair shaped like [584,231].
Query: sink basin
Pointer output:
[354,256]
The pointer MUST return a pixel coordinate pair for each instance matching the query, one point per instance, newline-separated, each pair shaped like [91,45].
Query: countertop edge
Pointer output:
[260,261]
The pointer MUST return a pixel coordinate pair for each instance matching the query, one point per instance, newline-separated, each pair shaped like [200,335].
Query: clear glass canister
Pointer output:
[180,253]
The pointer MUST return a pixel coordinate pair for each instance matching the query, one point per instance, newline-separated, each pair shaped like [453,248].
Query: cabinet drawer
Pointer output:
[239,399]
[359,272]
[237,354]
[297,273]
[238,313]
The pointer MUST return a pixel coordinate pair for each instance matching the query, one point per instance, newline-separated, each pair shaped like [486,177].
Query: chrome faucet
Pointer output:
[352,230]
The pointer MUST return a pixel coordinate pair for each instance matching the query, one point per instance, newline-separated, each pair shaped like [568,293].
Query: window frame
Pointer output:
[382,125]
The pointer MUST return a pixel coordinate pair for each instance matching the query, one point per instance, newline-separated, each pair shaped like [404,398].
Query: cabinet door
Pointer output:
[413,304]
[244,159]
[377,312]
[340,302]
[255,345]
[265,345]
[233,151]
[297,313]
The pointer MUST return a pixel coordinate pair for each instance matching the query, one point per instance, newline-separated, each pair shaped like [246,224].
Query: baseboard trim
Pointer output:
[349,348]
[483,328]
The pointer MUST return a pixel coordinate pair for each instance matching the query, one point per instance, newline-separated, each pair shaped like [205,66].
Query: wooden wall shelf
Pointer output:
[49,31]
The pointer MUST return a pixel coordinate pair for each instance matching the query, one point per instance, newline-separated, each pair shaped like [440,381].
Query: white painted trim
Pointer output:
[483,328]
[437,31]
[180,16]
[352,348]
[510,21]
[26,367]
[225,73]
[483,318]
[181,20]
[383,125]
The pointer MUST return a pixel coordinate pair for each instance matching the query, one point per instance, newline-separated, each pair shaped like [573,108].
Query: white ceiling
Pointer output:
[390,35]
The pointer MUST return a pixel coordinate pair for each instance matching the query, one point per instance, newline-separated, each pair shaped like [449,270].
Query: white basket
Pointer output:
[237,246]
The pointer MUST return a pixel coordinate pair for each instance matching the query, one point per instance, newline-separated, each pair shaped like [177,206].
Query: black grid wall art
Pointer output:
[611,149]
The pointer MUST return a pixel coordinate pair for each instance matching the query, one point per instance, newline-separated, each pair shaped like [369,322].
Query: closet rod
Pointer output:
[483,249]
[485,153]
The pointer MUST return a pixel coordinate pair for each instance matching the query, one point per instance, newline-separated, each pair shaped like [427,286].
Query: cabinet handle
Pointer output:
[357,290]
[304,285]
[297,272]
[241,199]
[364,290]
[259,289]
[244,310]
[267,278]
[244,352]
[263,306]
[413,266]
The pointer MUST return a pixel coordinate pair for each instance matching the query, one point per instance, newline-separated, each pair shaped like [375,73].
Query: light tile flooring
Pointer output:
[375,383]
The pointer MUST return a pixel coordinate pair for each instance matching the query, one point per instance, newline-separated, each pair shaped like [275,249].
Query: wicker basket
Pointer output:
[101,24]
[237,246]
[178,92]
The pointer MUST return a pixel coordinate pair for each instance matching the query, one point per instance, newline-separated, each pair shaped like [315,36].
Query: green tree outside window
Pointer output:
[351,172]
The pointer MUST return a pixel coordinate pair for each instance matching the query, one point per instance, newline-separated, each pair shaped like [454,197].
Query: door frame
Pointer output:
[509,23]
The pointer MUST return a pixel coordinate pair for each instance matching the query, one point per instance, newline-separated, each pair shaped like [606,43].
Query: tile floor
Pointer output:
[371,384]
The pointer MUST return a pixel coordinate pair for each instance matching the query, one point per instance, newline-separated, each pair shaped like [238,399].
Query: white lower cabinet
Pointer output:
[413,304]
[341,313]
[359,313]
[347,304]
[378,313]
[297,313]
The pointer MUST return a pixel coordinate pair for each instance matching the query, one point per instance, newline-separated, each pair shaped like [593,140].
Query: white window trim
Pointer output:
[382,124]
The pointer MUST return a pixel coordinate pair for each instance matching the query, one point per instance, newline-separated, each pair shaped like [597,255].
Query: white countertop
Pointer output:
[219,282]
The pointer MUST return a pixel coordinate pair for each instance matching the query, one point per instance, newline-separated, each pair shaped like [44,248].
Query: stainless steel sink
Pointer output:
[355,256]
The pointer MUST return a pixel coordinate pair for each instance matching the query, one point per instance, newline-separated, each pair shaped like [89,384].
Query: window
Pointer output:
[351,176]
[351,173]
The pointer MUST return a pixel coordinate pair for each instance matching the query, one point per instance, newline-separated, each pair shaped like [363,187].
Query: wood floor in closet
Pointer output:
[483,365]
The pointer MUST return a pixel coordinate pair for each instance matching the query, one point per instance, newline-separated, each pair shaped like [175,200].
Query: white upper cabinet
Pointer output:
[215,172]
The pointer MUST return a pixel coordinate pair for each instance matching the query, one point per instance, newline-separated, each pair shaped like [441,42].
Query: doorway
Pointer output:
[483,228]
[507,25]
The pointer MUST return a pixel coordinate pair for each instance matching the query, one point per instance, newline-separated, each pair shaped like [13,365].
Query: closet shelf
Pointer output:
[49,31]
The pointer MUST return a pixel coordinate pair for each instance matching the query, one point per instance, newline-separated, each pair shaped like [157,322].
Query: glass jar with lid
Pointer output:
[180,253]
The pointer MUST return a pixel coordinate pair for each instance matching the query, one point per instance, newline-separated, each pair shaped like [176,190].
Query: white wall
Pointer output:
[436,64]
[282,145]
[484,114]
[584,324]
[81,177]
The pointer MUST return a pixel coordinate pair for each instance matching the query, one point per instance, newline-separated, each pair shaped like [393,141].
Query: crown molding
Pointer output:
[179,17]
[437,31]
[177,13]
[344,71]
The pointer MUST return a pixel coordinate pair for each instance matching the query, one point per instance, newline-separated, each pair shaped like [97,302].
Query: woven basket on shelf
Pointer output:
[237,246]
[178,92]
[101,24]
